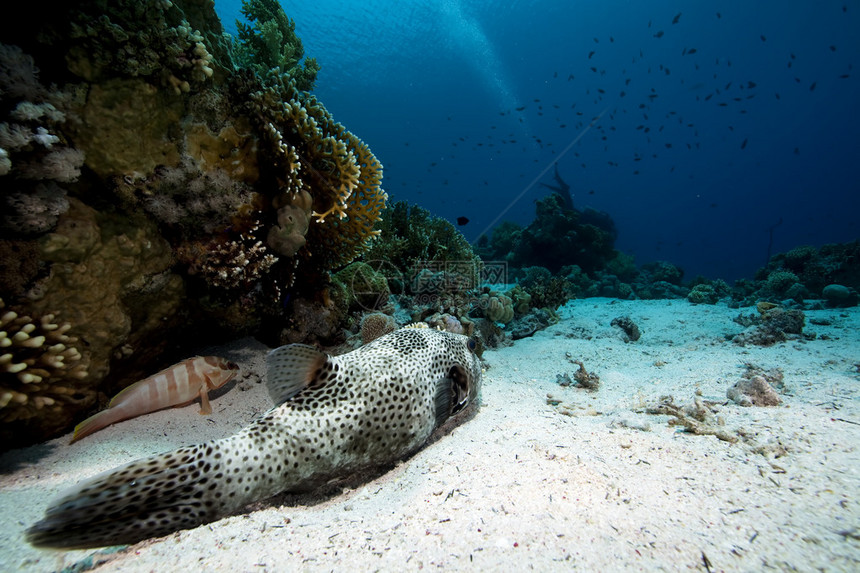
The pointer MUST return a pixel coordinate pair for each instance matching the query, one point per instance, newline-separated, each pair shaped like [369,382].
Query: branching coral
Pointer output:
[269,44]
[39,365]
[233,264]
[315,155]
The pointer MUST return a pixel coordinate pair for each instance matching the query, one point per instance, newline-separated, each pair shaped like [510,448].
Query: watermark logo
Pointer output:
[426,283]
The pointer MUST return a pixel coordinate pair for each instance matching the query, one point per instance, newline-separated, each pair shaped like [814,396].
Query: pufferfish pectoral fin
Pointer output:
[291,369]
[444,400]
[452,394]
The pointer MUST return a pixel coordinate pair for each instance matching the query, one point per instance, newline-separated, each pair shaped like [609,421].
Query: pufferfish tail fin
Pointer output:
[146,498]
[291,369]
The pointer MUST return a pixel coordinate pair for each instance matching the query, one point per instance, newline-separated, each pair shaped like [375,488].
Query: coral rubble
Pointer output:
[757,387]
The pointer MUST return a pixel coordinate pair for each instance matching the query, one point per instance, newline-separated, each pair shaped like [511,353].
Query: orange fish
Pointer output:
[175,386]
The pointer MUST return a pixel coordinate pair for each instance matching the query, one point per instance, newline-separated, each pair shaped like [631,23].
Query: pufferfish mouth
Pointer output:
[459,387]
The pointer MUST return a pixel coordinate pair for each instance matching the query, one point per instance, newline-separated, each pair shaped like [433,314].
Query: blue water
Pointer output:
[699,157]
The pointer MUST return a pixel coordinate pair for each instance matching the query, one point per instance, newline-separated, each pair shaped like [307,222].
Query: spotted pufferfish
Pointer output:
[333,415]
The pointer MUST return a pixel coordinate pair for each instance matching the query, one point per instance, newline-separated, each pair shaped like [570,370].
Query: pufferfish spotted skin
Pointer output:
[333,415]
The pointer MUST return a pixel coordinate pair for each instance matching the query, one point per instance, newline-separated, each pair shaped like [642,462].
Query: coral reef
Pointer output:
[374,325]
[314,156]
[230,265]
[268,44]
[41,373]
[158,43]
[664,271]
[789,321]
[527,324]
[125,128]
[703,294]
[496,307]
[557,237]
[412,240]
[449,323]
[802,273]
[840,295]
[521,299]
[775,325]
[546,290]
[363,287]
[779,282]
[152,187]
[34,159]
[312,321]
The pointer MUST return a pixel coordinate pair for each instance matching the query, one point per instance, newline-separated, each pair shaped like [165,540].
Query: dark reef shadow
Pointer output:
[13,460]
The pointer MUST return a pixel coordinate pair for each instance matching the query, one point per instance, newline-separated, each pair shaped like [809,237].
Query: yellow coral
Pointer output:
[232,150]
[319,156]
[39,366]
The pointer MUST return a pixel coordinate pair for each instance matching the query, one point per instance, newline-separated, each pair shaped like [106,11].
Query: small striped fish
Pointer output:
[174,386]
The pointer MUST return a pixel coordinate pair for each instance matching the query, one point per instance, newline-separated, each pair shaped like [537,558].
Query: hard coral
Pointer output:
[269,44]
[363,286]
[315,155]
[497,307]
[703,294]
[546,290]
[559,237]
[151,40]
[413,240]
[374,325]
[780,281]
[232,264]
[40,367]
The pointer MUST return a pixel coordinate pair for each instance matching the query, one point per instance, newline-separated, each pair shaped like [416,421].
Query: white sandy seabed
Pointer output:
[592,483]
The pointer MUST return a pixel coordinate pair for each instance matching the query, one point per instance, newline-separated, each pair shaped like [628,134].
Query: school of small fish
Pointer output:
[636,94]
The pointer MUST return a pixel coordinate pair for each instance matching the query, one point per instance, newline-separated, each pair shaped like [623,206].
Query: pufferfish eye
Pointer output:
[472,344]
